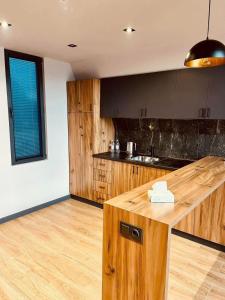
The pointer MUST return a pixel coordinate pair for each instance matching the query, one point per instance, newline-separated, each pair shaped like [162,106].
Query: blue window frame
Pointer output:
[24,77]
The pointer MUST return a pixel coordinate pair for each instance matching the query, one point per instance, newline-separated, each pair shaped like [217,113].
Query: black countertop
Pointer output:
[163,163]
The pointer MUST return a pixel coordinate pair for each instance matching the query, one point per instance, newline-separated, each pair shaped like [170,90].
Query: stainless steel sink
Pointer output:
[145,159]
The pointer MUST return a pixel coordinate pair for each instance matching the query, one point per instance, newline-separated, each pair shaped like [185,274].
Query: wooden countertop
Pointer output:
[190,185]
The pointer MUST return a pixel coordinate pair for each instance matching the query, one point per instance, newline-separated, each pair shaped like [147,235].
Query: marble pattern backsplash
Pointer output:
[190,139]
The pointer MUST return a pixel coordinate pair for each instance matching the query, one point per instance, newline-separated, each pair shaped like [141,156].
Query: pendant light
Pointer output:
[207,53]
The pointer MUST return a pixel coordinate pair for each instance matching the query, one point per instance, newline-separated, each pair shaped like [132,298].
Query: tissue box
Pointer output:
[160,193]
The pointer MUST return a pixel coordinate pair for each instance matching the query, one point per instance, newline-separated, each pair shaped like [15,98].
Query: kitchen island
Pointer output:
[138,269]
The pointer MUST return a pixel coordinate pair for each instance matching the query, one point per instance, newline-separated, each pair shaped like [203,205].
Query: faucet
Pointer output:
[151,151]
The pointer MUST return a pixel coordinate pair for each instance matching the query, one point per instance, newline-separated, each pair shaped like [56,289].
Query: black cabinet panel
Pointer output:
[122,97]
[215,99]
[178,94]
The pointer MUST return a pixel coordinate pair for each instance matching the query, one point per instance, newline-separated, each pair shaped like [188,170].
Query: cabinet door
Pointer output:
[176,94]
[137,176]
[86,174]
[75,157]
[80,148]
[86,88]
[190,93]
[121,97]
[141,175]
[121,178]
[73,96]
[216,93]
[179,94]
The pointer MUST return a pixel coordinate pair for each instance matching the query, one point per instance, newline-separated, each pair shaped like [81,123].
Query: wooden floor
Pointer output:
[55,253]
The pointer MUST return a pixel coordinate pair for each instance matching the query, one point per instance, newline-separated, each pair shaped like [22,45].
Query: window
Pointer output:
[26,108]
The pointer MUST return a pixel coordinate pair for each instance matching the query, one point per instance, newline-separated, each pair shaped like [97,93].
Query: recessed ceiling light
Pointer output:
[5,25]
[129,29]
[72,45]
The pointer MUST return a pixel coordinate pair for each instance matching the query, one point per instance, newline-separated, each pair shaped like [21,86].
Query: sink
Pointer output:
[145,159]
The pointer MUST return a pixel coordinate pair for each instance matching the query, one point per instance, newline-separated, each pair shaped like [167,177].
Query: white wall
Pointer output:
[24,186]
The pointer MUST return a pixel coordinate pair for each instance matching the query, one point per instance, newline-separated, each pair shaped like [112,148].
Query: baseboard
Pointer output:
[33,209]
[199,240]
[84,200]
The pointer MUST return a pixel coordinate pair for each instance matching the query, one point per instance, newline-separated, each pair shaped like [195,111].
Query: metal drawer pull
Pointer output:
[102,187]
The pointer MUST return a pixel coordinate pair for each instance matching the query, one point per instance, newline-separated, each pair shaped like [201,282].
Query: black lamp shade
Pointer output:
[207,53]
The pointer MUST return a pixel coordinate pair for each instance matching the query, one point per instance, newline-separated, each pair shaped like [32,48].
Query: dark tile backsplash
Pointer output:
[191,139]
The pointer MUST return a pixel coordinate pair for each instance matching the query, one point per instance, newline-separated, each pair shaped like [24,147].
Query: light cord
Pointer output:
[209,19]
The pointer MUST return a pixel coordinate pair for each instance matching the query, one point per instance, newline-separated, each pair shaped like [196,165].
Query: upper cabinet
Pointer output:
[73,96]
[121,97]
[216,94]
[178,94]
[81,95]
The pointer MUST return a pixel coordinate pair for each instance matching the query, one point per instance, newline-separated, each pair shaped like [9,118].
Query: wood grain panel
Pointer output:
[103,164]
[122,178]
[86,173]
[102,175]
[75,156]
[191,185]
[132,270]
[73,101]
[127,176]
[141,270]
[207,221]
[102,187]
[103,127]
[101,197]
[86,94]
[88,133]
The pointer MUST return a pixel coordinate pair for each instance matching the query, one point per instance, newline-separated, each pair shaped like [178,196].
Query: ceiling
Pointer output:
[165,30]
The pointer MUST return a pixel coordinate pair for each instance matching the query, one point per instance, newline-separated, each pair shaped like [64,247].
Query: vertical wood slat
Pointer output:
[207,221]
[88,134]
[132,270]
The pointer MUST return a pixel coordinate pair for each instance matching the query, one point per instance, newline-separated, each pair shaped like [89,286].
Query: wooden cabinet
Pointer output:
[121,178]
[87,134]
[102,188]
[80,149]
[73,96]
[81,95]
[112,178]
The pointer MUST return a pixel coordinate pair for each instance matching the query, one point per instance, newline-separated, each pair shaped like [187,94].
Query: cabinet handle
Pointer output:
[142,112]
[133,169]
[204,112]
[102,176]
[145,112]
[102,165]
[137,170]
[102,187]
[200,113]
[208,112]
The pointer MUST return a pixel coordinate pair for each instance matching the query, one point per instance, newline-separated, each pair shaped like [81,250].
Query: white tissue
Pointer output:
[160,193]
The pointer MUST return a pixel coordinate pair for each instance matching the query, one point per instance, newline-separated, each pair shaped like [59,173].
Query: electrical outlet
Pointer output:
[131,232]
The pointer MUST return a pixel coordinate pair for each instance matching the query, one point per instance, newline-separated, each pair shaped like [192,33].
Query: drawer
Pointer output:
[102,187]
[103,176]
[100,197]
[102,164]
